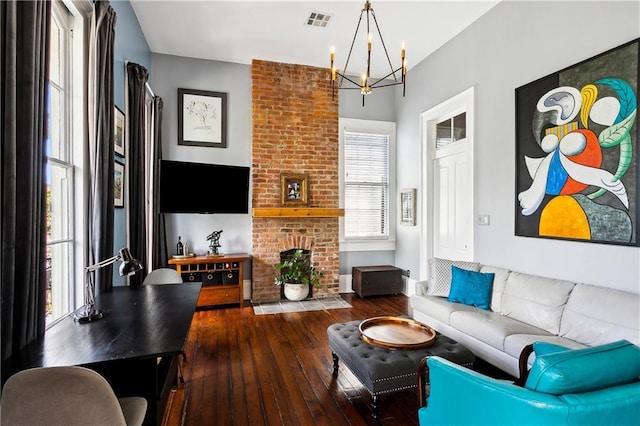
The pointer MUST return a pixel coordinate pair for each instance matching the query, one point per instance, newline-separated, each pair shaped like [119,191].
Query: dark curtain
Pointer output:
[24,44]
[101,157]
[159,252]
[137,76]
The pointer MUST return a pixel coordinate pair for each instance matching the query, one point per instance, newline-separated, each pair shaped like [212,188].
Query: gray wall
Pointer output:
[513,44]
[171,73]
[379,105]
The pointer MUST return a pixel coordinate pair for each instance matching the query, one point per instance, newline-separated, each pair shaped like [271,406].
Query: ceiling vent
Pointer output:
[318,19]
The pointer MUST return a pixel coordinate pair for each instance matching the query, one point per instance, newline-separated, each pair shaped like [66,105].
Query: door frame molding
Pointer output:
[462,102]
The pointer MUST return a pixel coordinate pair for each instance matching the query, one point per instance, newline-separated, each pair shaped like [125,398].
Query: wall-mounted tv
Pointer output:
[203,188]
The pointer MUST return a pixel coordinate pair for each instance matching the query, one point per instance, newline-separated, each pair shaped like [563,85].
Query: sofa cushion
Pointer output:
[536,300]
[440,274]
[499,283]
[515,343]
[597,315]
[470,287]
[584,370]
[491,328]
[438,307]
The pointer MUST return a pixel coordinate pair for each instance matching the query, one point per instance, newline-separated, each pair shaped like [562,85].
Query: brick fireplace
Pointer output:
[294,130]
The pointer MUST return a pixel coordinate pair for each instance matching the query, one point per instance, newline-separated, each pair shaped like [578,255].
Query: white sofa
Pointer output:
[527,308]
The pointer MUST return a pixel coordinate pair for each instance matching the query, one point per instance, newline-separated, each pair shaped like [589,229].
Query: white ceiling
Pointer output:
[239,31]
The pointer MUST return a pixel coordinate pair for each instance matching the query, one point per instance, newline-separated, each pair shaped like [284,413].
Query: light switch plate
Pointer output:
[483,219]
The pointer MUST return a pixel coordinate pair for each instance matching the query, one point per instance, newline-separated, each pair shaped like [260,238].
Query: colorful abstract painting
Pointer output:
[577,151]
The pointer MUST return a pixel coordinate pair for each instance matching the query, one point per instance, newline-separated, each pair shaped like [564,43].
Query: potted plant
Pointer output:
[296,274]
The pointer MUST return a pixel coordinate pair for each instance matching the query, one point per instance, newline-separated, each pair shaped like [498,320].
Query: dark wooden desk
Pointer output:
[140,325]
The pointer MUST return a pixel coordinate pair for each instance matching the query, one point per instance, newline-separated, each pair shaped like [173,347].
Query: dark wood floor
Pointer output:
[245,369]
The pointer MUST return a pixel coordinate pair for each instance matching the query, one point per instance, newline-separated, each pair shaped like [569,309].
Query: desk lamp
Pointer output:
[129,266]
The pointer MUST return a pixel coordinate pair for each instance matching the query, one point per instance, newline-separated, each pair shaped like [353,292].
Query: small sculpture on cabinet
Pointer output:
[214,243]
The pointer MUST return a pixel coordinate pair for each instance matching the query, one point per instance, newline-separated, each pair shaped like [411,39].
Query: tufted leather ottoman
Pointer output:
[383,370]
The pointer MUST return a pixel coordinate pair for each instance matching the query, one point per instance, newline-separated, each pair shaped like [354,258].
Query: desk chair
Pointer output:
[69,396]
[163,276]
[166,276]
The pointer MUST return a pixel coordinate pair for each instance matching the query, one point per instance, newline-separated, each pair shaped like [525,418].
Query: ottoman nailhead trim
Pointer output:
[384,379]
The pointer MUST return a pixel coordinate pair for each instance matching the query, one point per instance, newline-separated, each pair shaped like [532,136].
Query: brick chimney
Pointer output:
[294,130]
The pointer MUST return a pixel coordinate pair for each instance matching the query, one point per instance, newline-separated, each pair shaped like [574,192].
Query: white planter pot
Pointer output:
[296,291]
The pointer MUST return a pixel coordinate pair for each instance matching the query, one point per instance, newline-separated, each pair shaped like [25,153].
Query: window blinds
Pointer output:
[366,185]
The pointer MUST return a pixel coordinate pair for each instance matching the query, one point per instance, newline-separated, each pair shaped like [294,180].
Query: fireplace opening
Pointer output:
[288,254]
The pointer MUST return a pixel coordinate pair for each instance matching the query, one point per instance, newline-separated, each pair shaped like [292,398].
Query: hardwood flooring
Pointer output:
[246,369]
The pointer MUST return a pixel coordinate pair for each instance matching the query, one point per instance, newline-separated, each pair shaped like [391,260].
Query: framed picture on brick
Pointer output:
[294,189]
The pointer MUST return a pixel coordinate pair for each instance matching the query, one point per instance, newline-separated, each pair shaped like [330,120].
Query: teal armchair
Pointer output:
[592,386]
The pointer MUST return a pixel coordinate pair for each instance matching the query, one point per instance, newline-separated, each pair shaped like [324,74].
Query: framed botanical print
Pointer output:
[202,118]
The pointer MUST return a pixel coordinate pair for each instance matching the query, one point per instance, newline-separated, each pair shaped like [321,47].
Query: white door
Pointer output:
[448,181]
[453,217]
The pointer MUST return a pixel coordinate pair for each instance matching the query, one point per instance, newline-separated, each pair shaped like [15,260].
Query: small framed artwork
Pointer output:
[408,207]
[202,118]
[118,184]
[118,131]
[294,189]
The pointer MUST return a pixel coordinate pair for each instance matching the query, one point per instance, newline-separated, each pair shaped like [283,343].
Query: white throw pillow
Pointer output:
[440,274]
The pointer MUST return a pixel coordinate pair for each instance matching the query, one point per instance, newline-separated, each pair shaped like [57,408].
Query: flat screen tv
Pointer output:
[203,188]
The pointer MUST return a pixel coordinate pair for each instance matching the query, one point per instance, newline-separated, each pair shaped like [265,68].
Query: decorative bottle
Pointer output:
[180,247]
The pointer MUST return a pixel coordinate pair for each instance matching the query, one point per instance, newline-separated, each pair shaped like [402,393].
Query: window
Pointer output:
[60,170]
[367,151]
[451,130]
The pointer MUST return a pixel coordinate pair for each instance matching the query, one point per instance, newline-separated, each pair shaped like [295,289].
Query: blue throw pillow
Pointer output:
[470,287]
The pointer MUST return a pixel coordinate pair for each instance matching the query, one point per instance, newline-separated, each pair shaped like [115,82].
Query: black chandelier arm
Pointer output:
[344,77]
[384,47]
[353,42]
[395,83]
[374,84]
[352,88]
[368,8]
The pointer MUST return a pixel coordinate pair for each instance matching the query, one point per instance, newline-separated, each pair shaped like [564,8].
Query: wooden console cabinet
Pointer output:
[376,280]
[221,277]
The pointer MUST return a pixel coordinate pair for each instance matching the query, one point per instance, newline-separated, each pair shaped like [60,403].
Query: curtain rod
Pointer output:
[146,84]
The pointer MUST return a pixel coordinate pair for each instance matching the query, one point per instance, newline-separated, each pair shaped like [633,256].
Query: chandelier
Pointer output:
[366,83]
